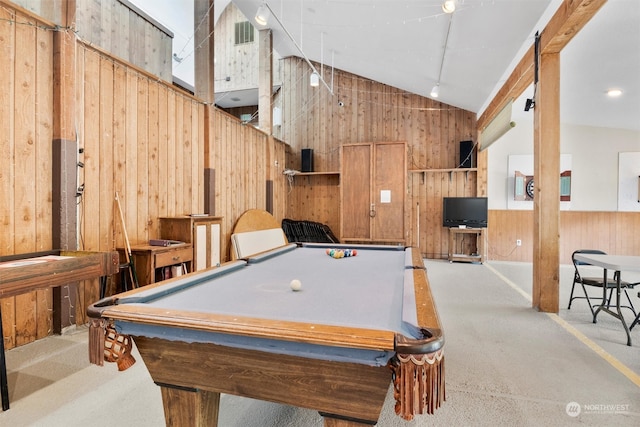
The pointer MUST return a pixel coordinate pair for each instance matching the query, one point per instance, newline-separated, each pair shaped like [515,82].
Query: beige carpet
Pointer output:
[506,365]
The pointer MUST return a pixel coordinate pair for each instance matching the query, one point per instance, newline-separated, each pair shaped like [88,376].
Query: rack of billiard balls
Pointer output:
[341,253]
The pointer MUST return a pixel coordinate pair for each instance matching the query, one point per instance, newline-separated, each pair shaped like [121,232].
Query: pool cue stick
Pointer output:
[129,258]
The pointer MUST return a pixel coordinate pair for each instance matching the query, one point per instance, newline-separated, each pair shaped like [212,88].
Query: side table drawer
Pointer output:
[174,257]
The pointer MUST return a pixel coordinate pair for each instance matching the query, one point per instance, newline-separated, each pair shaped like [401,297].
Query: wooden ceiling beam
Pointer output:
[568,20]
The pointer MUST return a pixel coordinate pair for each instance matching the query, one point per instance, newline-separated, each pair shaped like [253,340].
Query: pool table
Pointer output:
[357,325]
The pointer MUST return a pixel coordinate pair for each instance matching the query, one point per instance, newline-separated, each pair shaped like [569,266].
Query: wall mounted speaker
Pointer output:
[466,154]
[307,160]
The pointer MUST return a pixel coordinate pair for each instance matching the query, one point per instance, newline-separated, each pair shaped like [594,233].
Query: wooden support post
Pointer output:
[204,54]
[265,81]
[65,151]
[205,89]
[546,201]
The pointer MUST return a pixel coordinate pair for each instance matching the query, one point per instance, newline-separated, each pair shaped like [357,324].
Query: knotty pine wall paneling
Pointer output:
[115,26]
[361,110]
[140,136]
[244,158]
[607,231]
[26,121]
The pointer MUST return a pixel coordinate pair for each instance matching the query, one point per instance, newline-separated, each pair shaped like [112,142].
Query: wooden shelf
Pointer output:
[450,171]
[151,260]
[315,173]
[309,175]
[480,236]
[443,170]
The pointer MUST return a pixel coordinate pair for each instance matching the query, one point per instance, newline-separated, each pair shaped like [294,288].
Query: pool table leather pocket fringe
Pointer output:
[106,344]
[418,383]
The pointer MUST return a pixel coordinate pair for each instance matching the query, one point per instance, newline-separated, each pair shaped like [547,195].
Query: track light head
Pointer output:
[435,91]
[449,6]
[262,15]
[314,80]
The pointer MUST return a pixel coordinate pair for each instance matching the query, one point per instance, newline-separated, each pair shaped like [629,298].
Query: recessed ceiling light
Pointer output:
[614,92]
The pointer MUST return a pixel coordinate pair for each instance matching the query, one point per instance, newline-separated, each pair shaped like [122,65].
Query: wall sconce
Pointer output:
[314,80]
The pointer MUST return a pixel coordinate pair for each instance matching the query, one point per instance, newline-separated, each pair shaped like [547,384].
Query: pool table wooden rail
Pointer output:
[428,320]
[429,325]
[309,333]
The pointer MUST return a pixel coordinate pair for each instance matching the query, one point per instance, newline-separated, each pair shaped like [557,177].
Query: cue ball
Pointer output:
[296,285]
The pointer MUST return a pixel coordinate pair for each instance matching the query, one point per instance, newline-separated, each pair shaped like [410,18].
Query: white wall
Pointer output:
[594,163]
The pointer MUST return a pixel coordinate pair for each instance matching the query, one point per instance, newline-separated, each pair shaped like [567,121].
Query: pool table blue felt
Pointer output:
[366,293]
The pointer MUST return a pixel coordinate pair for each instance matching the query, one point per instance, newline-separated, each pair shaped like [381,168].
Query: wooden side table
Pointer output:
[150,261]
[480,254]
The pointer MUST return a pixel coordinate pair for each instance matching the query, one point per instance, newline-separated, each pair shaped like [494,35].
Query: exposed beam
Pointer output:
[568,20]
[518,81]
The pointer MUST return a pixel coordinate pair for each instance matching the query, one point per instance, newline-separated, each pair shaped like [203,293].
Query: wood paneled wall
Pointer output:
[117,26]
[361,110]
[244,158]
[26,132]
[141,137]
[427,191]
[612,232]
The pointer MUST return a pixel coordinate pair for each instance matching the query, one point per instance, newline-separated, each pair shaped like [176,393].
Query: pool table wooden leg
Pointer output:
[340,422]
[189,407]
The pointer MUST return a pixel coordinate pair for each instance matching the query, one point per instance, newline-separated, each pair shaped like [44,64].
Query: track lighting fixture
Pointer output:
[435,91]
[262,15]
[449,6]
[314,80]
[265,13]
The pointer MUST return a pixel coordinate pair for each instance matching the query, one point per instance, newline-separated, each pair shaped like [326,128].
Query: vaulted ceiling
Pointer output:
[413,45]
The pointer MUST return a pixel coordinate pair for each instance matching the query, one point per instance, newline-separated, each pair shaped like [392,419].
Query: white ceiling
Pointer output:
[401,43]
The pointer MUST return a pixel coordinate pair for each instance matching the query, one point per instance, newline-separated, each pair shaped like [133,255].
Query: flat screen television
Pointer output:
[469,211]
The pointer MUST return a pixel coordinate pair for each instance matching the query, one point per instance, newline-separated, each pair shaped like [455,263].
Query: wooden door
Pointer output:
[373,182]
[355,185]
[389,190]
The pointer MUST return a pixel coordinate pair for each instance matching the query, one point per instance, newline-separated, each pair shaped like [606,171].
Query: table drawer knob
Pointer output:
[176,258]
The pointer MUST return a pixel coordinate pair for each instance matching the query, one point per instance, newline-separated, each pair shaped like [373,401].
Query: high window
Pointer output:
[244,32]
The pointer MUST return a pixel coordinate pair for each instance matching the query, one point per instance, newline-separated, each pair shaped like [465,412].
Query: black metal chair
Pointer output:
[597,282]
[637,319]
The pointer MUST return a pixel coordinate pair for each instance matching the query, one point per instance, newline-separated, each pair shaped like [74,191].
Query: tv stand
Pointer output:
[480,254]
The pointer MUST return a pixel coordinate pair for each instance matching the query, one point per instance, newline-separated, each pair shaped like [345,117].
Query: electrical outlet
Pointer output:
[518,242]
